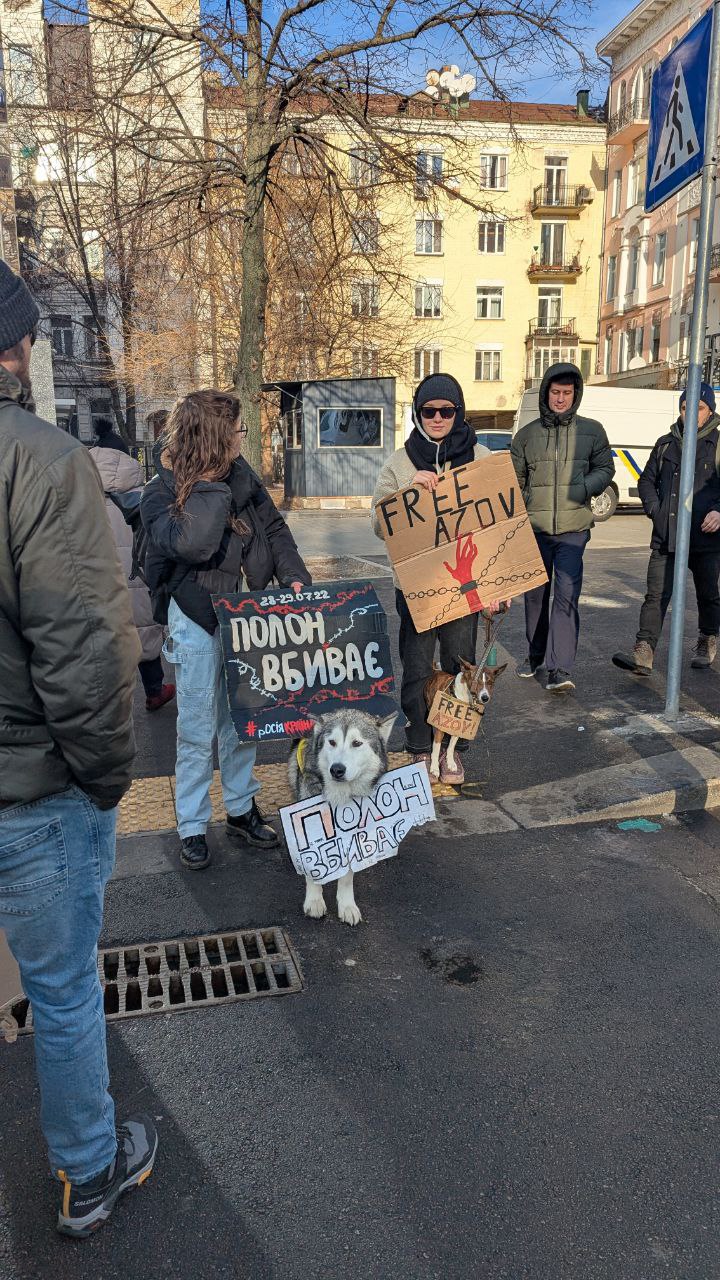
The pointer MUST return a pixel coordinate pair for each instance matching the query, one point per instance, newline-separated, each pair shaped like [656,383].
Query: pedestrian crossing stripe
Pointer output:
[626,457]
[678,138]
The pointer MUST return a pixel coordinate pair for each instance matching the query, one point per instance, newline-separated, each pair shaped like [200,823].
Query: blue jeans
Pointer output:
[56,856]
[203,712]
[552,634]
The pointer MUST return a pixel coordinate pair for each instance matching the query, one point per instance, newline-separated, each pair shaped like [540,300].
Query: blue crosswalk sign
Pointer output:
[678,100]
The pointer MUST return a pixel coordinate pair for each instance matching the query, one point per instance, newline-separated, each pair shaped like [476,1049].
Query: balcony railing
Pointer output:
[570,270]
[715,258]
[551,195]
[630,121]
[553,327]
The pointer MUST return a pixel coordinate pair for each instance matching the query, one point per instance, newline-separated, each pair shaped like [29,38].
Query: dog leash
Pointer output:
[491,633]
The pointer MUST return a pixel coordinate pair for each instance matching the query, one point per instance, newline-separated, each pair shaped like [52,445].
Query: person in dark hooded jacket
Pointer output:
[212,528]
[659,487]
[562,461]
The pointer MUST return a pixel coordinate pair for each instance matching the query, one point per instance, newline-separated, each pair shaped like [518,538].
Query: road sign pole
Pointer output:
[695,371]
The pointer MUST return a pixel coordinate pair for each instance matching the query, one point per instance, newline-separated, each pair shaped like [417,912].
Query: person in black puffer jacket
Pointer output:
[212,528]
[659,487]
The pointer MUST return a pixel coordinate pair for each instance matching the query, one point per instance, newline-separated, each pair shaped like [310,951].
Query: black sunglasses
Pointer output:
[447,411]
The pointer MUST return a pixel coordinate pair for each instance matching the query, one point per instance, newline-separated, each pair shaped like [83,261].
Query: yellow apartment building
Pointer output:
[486,266]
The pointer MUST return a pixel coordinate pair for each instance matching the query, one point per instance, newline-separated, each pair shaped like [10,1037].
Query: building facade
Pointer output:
[649,259]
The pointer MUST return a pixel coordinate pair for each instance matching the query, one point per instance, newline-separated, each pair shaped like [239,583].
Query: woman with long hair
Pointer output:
[212,528]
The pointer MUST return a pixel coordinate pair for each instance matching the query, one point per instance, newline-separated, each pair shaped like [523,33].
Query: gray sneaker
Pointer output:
[87,1205]
[704,652]
[640,661]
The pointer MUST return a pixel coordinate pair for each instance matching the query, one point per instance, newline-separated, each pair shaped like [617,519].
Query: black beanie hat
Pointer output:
[19,312]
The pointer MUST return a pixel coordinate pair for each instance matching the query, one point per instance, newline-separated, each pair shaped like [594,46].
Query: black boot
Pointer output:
[194,853]
[252,828]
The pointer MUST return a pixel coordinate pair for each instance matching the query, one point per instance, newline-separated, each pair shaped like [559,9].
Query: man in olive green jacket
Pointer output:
[68,655]
[562,461]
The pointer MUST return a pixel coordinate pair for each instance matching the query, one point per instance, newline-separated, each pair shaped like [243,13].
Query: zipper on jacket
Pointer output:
[555,485]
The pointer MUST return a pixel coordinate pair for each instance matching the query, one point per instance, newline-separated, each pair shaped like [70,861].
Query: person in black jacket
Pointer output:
[212,528]
[659,486]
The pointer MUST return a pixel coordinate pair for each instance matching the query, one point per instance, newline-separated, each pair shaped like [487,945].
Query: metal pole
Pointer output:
[697,346]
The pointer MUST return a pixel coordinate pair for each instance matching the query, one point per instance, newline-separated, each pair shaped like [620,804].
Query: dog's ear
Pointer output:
[385,726]
[497,671]
[466,666]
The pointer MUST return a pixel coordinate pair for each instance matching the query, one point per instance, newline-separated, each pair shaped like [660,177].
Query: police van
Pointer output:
[634,418]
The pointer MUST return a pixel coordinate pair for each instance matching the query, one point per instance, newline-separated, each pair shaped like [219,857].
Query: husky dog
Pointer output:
[344,757]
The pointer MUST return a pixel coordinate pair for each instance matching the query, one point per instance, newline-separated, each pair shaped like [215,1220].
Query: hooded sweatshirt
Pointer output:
[561,461]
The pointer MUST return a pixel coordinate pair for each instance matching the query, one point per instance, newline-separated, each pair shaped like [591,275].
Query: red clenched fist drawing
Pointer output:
[465,555]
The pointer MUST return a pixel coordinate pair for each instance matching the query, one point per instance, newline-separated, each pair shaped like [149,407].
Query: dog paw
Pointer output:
[315,907]
[349,913]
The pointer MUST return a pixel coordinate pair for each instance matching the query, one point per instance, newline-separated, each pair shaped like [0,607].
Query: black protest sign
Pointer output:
[292,657]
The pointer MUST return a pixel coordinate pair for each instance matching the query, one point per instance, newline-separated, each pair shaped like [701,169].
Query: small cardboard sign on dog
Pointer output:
[466,542]
[453,716]
[325,842]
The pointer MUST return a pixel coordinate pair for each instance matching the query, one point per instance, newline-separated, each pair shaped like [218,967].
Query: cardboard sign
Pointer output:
[467,542]
[453,716]
[288,657]
[325,842]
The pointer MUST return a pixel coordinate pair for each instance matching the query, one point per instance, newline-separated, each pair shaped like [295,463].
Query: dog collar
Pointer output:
[302,748]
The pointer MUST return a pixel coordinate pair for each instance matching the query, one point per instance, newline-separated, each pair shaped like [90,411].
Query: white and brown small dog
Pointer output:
[344,758]
[472,685]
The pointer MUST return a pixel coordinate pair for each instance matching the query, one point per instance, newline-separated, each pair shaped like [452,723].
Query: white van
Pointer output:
[634,419]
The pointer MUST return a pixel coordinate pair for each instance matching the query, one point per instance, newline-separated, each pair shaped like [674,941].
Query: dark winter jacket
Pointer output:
[659,486]
[68,647]
[561,462]
[199,554]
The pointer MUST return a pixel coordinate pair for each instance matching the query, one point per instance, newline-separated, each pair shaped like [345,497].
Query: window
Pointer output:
[544,357]
[292,425]
[692,255]
[92,340]
[659,258]
[634,343]
[555,180]
[616,192]
[585,358]
[611,289]
[364,167]
[633,267]
[608,353]
[48,167]
[622,96]
[683,339]
[488,365]
[428,169]
[93,252]
[5,171]
[365,298]
[292,161]
[493,172]
[428,235]
[101,409]
[655,342]
[552,244]
[549,306]
[427,361]
[350,427]
[61,335]
[24,87]
[365,362]
[491,237]
[489,302]
[428,300]
[365,234]
[633,183]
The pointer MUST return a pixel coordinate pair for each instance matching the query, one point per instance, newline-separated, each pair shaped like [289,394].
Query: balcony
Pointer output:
[552,327]
[715,263]
[541,270]
[550,198]
[630,123]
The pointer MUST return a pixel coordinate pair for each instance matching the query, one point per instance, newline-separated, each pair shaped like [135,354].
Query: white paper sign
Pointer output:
[325,842]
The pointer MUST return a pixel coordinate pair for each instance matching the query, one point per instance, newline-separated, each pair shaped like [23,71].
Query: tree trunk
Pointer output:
[254,286]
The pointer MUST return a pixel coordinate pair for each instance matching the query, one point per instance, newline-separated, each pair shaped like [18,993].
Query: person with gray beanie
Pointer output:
[441,439]
[67,673]
[659,488]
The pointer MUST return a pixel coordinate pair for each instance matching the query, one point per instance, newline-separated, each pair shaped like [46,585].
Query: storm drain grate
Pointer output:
[183,973]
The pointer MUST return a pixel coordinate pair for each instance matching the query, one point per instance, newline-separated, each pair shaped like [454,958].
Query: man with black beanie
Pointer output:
[441,439]
[68,650]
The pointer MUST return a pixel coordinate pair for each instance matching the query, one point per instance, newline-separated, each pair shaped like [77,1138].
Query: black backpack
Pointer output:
[129,504]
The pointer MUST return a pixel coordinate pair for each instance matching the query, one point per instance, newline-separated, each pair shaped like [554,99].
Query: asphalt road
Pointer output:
[508,1071]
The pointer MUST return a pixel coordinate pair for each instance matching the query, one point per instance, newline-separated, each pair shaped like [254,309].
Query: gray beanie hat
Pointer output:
[19,312]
